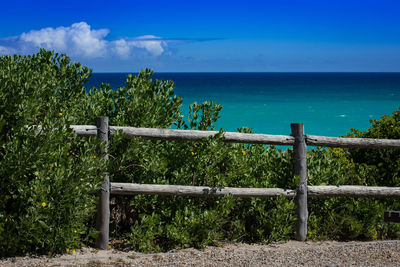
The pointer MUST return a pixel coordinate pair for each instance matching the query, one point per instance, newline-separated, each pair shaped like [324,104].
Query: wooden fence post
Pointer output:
[103,209]
[300,169]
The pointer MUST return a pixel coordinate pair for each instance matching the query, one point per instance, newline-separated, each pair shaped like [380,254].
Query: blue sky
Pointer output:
[209,36]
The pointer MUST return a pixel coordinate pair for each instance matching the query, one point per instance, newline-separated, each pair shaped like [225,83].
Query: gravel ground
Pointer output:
[292,253]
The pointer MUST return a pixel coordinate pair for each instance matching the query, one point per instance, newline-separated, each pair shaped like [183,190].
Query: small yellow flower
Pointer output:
[195,145]
[67,250]
[67,154]
[60,114]
[73,251]
[94,156]
[379,226]
[192,153]
[244,153]
[75,231]
[44,204]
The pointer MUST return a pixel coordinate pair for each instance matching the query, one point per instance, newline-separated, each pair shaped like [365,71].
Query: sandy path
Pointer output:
[292,253]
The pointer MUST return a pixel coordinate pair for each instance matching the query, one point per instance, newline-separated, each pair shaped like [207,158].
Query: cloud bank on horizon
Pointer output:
[82,41]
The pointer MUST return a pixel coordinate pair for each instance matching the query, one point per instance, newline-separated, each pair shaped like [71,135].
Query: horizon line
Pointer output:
[288,72]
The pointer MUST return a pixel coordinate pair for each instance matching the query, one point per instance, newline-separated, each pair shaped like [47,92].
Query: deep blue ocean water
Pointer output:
[327,103]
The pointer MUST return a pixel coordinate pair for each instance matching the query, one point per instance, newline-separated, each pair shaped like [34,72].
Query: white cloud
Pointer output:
[121,48]
[151,43]
[80,40]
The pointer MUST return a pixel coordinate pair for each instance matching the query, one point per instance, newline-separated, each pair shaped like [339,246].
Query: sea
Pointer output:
[329,104]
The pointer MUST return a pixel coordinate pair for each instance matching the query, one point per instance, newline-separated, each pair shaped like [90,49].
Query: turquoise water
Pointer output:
[327,103]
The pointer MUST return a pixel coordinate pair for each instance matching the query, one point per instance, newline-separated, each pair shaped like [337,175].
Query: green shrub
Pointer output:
[48,178]
[346,218]
[385,162]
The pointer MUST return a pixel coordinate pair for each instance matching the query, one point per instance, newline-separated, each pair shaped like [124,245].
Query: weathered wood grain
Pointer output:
[313,191]
[313,140]
[103,210]
[353,191]
[182,190]
[300,169]
[194,135]
[85,130]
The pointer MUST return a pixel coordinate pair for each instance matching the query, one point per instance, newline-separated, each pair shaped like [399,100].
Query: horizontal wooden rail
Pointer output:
[182,190]
[313,191]
[81,130]
[85,130]
[195,135]
[353,191]
[313,140]
[187,135]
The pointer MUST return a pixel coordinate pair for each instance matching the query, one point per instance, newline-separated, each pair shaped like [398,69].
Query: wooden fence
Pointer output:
[297,139]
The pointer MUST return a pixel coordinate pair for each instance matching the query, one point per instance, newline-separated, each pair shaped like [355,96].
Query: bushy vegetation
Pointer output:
[49,179]
[346,218]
